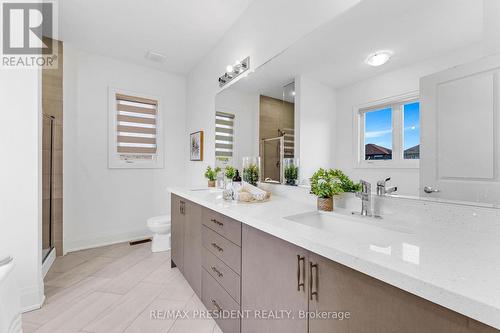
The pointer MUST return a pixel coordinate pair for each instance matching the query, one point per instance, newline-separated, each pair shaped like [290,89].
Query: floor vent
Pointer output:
[142,241]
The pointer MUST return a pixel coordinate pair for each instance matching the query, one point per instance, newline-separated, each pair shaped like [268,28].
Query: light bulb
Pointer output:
[229,68]
[379,58]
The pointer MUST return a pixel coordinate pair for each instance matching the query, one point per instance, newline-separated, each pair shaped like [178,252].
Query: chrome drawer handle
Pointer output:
[220,249]
[217,222]
[217,306]
[216,271]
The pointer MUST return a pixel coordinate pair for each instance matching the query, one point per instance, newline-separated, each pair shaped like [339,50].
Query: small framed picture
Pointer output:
[196,146]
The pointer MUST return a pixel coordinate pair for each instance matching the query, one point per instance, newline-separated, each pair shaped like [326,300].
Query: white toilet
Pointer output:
[160,227]
[10,309]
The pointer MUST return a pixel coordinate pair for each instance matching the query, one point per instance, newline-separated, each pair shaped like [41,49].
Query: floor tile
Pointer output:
[67,262]
[118,266]
[193,323]
[162,275]
[80,289]
[80,313]
[126,311]
[128,279]
[29,327]
[114,289]
[80,272]
[156,317]
[178,290]
[61,301]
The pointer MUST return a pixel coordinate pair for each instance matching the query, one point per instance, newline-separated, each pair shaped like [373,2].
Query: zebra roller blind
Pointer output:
[136,130]
[224,135]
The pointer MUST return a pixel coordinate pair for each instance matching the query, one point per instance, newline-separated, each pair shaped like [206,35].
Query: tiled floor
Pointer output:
[114,289]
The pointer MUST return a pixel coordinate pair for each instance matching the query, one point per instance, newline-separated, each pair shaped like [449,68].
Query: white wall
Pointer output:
[245,107]
[265,29]
[491,26]
[20,179]
[314,117]
[392,84]
[104,205]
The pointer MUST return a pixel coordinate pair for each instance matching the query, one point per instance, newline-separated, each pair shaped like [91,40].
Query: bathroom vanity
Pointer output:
[282,259]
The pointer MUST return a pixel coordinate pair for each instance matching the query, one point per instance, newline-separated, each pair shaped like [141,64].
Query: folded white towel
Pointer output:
[256,192]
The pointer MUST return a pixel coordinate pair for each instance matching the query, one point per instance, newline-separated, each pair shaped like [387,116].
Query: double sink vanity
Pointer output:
[281,266]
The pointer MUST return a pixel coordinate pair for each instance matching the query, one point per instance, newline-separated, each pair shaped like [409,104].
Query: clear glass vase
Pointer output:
[251,169]
[291,171]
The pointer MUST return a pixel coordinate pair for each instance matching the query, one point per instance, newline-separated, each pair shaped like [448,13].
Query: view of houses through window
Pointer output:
[381,132]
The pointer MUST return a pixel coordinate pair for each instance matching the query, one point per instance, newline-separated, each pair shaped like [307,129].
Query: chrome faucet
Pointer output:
[366,198]
[382,189]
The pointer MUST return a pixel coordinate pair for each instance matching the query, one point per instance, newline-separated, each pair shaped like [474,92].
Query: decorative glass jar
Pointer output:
[251,169]
[291,171]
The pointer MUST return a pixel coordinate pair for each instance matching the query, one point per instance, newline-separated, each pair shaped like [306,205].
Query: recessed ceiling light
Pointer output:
[379,58]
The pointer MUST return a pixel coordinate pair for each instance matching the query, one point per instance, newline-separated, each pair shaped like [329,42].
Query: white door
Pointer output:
[460,150]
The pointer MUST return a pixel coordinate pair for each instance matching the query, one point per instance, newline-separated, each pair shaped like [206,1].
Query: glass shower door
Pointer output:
[47,185]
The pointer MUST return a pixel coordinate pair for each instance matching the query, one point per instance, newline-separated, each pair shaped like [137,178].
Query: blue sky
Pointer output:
[378,126]
[411,125]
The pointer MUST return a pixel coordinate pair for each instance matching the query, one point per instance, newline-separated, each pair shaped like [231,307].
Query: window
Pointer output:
[134,131]
[389,133]
[411,134]
[378,134]
[224,138]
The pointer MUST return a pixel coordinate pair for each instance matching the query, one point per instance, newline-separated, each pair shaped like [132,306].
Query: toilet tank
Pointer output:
[10,314]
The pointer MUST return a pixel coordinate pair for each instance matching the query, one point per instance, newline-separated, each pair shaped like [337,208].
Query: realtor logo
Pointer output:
[24,30]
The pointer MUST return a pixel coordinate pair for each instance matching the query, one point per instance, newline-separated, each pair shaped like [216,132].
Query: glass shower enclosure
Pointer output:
[47,185]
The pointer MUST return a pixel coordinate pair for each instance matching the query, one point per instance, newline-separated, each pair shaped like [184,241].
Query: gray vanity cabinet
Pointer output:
[375,306]
[177,230]
[273,279]
[186,240]
[192,245]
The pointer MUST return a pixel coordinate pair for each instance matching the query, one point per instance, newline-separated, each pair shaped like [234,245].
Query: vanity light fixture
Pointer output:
[379,58]
[233,71]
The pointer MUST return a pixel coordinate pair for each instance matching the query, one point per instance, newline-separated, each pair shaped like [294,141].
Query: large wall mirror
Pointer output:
[414,99]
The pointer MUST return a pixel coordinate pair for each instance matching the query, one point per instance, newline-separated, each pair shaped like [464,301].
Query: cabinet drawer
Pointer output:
[223,249]
[216,298]
[226,277]
[223,225]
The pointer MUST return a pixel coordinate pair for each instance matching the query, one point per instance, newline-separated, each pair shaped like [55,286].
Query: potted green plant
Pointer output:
[346,183]
[291,174]
[325,185]
[211,175]
[230,172]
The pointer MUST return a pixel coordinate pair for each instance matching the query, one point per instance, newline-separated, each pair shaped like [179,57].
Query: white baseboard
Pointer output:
[84,244]
[32,298]
[48,262]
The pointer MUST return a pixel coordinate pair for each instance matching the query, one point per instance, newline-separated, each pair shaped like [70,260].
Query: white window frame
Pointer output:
[397,104]
[114,159]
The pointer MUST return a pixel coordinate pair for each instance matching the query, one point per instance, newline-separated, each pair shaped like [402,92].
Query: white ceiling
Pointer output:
[183,30]
[334,54]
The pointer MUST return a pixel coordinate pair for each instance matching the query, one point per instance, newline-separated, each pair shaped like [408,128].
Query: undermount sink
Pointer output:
[344,223]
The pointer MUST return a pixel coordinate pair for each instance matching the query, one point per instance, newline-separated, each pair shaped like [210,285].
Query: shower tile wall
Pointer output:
[52,105]
[274,114]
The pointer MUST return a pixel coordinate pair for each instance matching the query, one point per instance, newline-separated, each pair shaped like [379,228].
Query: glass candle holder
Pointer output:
[251,169]
[291,171]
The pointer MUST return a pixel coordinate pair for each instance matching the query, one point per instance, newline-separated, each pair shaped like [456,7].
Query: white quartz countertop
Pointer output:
[455,265]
